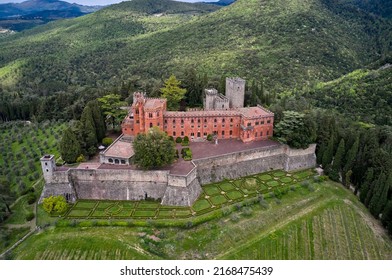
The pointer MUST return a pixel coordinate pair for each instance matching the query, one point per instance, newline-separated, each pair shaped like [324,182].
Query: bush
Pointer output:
[31,198]
[171,138]
[234,217]
[209,137]
[55,205]
[80,158]
[178,140]
[247,211]
[28,190]
[186,139]
[30,216]
[107,141]
[186,153]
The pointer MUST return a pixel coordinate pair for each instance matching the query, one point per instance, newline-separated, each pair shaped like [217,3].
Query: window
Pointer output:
[157,114]
[205,133]
[174,133]
[137,121]
[231,120]
[215,120]
[256,134]
[150,124]
[262,122]
[122,161]
[46,163]
[137,112]
[249,124]
[247,135]
[231,132]
[198,120]
[110,160]
[182,133]
[150,115]
[268,121]
[261,134]
[205,120]
[116,161]
[223,133]
[174,121]
[47,170]
[158,124]
[192,120]
[192,134]
[257,123]
[223,120]
[165,121]
[182,121]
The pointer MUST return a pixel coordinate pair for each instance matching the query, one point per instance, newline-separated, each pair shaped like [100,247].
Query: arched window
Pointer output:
[215,120]
[110,160]
[116,161]
[150,115]
[150,124]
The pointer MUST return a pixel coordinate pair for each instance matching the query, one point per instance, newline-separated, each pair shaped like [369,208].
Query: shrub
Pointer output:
[186,153]
[107,141]
[186,139]
[264,204]
[209,137]
[80,158]
[55,204]
[247,211]
[178,140]
[28,190]
[30,216]
[31,198]
[234,217]
[171,138]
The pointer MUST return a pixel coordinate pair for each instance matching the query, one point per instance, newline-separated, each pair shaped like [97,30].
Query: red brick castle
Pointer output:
[223,116]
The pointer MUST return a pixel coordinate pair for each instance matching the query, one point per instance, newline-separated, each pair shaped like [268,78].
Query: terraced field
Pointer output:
[319,221]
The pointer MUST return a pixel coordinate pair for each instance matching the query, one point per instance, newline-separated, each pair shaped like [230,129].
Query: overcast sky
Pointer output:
[97,2]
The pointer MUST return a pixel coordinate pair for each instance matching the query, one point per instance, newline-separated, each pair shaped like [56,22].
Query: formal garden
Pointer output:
[216,196]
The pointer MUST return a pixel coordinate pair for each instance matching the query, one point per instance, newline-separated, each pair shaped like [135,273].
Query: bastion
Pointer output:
[178,184]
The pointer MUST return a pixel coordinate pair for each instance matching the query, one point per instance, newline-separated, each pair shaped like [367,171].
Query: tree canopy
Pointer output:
[111,106]
[153,149]
[173,93]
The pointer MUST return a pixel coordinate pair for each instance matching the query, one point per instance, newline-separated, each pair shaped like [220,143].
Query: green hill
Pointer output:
[363,95]
[287,43]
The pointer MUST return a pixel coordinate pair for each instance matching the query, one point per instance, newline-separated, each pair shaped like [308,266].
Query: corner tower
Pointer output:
[235,92]
[48,167]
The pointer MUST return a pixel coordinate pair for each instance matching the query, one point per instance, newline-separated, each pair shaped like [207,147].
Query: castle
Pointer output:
[223,116]
[243,149]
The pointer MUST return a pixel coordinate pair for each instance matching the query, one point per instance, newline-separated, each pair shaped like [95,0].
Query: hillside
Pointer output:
[363,95]
[286,43]
[324,222]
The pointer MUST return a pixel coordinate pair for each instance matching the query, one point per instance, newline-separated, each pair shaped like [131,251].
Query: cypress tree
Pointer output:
[386,218]
[337,161]
[99,121]
[379,197]
[88,131]
[69,146]
[327,156]
[350,156]
[365,187]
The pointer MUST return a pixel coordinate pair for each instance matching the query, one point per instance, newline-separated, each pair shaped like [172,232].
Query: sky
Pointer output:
[96,2]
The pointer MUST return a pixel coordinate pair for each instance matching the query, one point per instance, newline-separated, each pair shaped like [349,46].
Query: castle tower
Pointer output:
[235,92]
[48,166]
[209,100]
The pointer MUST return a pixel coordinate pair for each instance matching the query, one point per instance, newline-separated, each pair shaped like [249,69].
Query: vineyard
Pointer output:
[321,220]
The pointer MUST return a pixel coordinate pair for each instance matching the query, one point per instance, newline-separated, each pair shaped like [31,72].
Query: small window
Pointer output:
[116,161]
[150,115]
[247,136]
[137,121]
[165,121]
[231,120]
[268,121]
[261,134]
[249,124]
[192,121]
[157,114]
[262,122]
[137,112]
[150,125]
[174,133]
[223,120]
[257,123]
[223,133]
[231,132]
[46,164]
[182,133]
[182,121]
[198,120]
[205,120]
[110,160]
[122,161]
[215,120]
[174,121]
[47,170]
[256,134]
[192,134]
[205,133]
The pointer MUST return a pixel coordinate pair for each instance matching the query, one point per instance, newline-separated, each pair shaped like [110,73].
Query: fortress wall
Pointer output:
[119,174]
[297,159]
[180,196]
[177,181]
[59,177]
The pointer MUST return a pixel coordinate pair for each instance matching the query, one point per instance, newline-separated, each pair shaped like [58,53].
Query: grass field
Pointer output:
[322,222]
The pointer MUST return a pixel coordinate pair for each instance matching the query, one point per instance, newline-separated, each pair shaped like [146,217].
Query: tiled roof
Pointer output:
[254,112]
[209,113]
[154,103]
[120,149]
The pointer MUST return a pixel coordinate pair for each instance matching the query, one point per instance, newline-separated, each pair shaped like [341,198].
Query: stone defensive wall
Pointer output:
[172,189]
